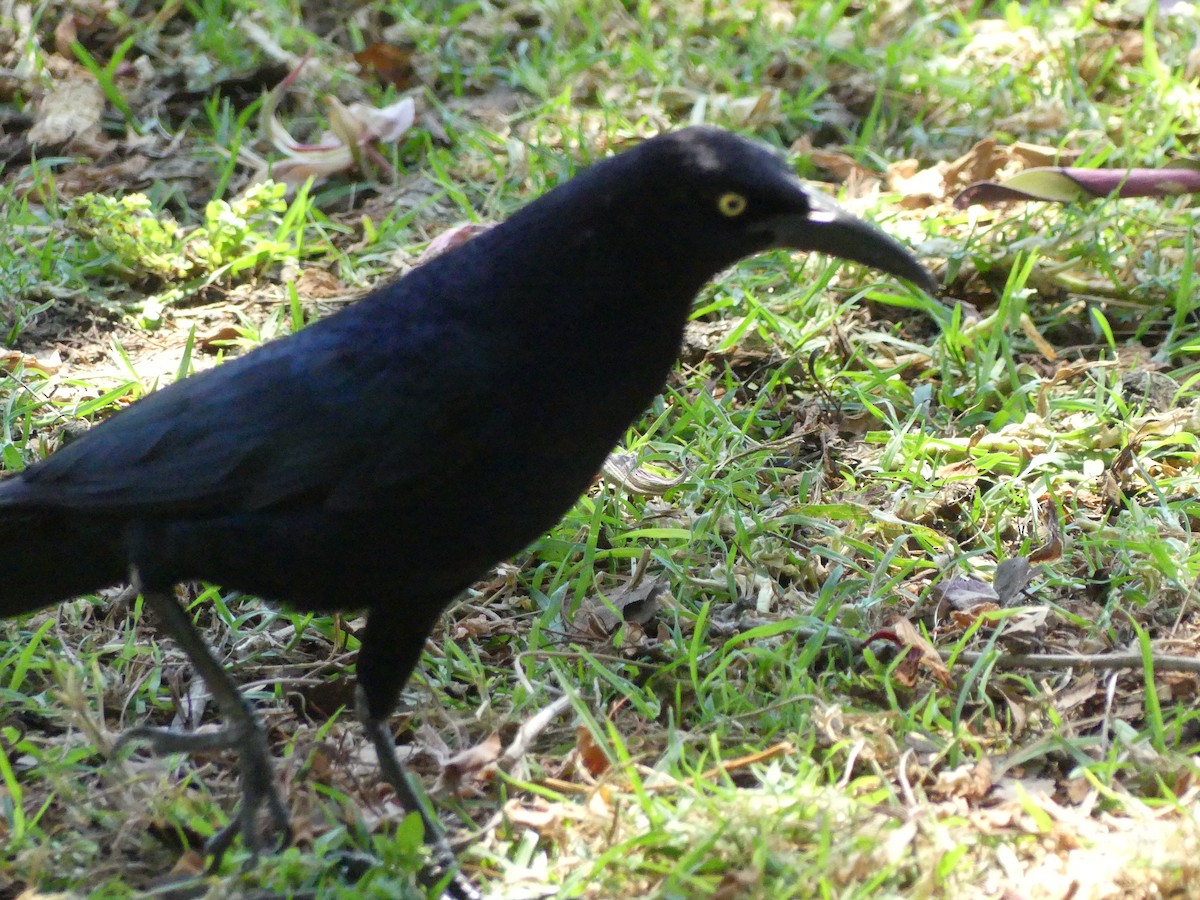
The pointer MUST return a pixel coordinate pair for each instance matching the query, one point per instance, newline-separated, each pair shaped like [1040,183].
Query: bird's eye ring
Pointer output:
[731,204]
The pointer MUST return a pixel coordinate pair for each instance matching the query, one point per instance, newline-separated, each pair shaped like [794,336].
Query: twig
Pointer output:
[1126,659]
[531,729]
[270,47]
[1129,659]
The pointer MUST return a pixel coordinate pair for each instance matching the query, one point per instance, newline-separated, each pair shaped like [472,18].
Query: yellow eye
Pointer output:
[731,204]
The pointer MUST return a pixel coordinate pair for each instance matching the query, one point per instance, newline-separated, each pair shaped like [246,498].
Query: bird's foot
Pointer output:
[443,863]
[459,887]
[256,777]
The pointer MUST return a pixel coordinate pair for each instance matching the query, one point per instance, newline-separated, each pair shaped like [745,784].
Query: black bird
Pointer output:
[386,457]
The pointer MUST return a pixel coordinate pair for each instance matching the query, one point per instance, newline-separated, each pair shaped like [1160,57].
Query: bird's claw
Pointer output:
[443,863]
[256,777]
[245,819]
[460,888]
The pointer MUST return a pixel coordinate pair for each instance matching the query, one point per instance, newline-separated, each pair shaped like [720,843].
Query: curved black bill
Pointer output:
[827,228]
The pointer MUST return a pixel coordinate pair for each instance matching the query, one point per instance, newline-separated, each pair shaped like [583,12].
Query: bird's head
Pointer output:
[719,197]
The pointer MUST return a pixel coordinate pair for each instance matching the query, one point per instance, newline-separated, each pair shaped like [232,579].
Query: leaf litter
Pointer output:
[1063,835]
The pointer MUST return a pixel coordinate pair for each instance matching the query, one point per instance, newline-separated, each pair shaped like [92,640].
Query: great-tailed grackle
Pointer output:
[385,457]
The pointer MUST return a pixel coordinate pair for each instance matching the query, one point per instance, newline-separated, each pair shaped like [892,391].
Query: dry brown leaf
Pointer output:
[66,33]
[472,763]
[636,602]
[11,360]
[908,635]
[600,803]
[1043,346]
[908,669]
[917,187]
[783,748]
[320,765]
[191,864]
[1011,578]
[750,112]
[591,756]
[1029,622]
[1182,687]
[319,284]
[537,813]
[988,159]
[965,593]
[737,884]
[980,163]
[71,109]
[1052,547]
[1018,716]
[218,341]
[970,781]
[473,627]
[964,619]
[1079,691]
[842,166]
[449,239]
[961,469]
[116,176]
[1078,789]
[390,64]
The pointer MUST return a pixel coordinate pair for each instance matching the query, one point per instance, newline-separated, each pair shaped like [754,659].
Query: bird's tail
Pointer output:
[47,556]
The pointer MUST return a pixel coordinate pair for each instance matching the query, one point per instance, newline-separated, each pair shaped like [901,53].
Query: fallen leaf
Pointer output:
[1031,621]
[1012,577]
[622,470]
[1052,548]
[970,781]
[590,755]
[1076,693]
[635,602]
[190,864]
[319,284]
[910,637]
[783,748]
[906,671]
[917,187]
[1074,185]
[470,764]
[842,166]
[736,884]
[965,593]
[449,239]
[353,129]
[475,627]
[534,812]
[390,64]
[12,360]
[219,340]
[70,109]
[964,619]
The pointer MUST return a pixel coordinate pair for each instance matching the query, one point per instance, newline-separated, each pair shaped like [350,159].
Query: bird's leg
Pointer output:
[242,732]
[385,660]
[460,888]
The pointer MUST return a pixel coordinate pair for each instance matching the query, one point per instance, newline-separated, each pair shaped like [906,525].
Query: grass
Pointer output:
[852,454]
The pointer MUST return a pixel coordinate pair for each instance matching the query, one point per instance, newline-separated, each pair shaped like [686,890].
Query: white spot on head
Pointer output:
[705,156]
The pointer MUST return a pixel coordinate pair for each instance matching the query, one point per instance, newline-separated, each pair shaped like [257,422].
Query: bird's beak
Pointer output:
[827,228]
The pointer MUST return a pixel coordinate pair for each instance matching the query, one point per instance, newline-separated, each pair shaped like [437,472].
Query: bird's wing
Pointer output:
[316,421]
